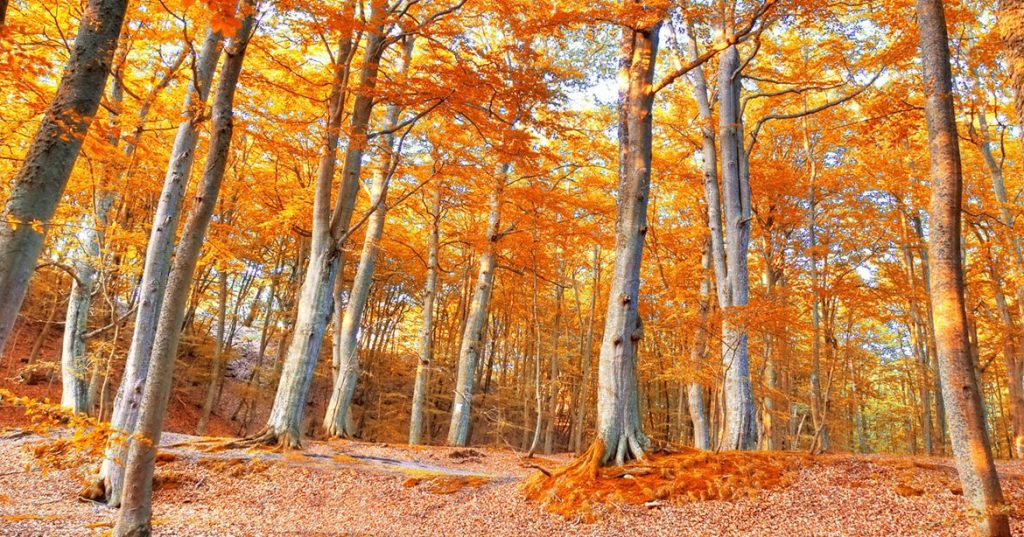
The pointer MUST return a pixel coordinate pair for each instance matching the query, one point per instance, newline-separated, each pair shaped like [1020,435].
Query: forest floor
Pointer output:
[358,488]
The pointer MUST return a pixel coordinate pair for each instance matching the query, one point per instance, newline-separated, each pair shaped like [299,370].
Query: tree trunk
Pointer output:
[348,373]
[588,351]
[218,353]
[134,518]
[618,412]
[155,270]
[695,391]
[472,344]
[315,299]
[40,182]
[419,394]
[740,423]
[86,263]
[960,389]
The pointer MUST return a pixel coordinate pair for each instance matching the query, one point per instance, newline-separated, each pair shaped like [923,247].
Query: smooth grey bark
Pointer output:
[348,372]
[698,352]
[320,292]
[344,206]
[740,420]
[472,340]
[43,176]
[538,394]
[156,269]
[618,408]
[134,518]
[419,393]
[75,395]
[971,448]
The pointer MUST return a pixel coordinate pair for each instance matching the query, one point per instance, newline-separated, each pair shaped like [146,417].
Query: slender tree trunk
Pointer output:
[695,391]
[315,298]
[618,412]
[348,374]
[86,263]
[134,518]
[218,352]
[960,389]
[588,351]
[553,382]
[419,394]
[472,344]
[40,182]
[155,270]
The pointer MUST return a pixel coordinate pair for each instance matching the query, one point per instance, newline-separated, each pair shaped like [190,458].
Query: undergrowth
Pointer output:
[579,490]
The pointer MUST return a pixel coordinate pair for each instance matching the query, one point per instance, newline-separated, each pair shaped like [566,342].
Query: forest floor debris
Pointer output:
[349,487]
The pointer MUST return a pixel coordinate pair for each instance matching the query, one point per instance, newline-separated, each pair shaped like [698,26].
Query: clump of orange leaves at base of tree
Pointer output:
[579,490]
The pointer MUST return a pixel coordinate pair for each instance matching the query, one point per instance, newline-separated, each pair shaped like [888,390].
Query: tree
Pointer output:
[40,182]
[618,406]
[159,251]
[959,385]
[134,517]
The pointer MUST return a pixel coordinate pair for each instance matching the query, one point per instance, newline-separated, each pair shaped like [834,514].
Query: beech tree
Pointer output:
[43,175]
[959,385]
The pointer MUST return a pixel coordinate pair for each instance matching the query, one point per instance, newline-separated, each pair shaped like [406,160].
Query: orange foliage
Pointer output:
[578,490]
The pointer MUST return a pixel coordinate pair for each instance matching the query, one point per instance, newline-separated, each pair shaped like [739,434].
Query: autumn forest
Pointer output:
[518,267]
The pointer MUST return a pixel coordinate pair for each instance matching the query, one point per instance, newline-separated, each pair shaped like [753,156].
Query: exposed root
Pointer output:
[579,490]
[264,439]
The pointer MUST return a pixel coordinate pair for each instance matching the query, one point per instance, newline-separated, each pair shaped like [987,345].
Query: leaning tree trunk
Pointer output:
[618,406]
[740,424]
[959,387]
[348,371]
[39,184]
[419,393]
[134,518]
[155,272]
[472,344]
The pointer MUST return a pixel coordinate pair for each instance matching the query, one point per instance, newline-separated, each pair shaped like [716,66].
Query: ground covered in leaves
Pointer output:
[352,488]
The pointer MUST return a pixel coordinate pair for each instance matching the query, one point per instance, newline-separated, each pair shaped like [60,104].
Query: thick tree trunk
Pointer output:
[40,182]
[419,394]
[959,387]
[618,412]
[156,268]
[348,372]
[472,344]
[740,423]
[134,518]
